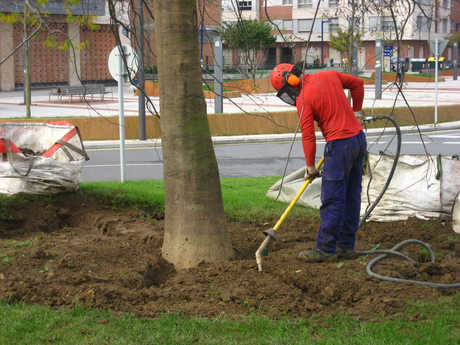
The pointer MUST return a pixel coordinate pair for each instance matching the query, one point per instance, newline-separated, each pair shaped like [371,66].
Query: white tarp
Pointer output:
[423,187]
[40,158]
[456,214]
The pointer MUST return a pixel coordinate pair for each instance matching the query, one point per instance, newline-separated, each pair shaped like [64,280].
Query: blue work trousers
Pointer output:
[341,193]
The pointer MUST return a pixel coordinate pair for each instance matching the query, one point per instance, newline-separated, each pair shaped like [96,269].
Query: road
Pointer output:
[237,159]
[255,159]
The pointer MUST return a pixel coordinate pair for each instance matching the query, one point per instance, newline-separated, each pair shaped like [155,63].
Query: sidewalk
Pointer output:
[417,94]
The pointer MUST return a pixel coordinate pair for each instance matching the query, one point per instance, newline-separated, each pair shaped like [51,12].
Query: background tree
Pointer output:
[454,37]
[195,224]
[399,12]
[351,13]
[341,42]
[35,19]
[250,37]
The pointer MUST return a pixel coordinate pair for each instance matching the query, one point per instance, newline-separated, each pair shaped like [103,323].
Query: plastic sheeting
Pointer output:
[456,214]
[423,187]
[40,158]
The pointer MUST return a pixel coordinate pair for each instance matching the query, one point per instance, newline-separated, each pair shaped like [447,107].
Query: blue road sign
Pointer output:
[387,50]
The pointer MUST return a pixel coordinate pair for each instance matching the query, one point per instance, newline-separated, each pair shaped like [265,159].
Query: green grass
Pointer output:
[424,75]
[25,324]
[143,194]
[244,198]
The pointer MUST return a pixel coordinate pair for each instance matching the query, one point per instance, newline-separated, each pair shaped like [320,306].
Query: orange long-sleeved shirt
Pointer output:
[322,99]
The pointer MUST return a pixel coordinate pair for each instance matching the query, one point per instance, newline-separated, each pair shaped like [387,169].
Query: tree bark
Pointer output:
[26,63]
[195,225]
[351,34]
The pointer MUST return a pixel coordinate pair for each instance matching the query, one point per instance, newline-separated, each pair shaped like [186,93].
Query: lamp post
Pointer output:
[322,39]
[141,74]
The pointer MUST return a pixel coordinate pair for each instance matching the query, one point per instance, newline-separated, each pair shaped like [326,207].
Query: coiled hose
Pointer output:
[394,251]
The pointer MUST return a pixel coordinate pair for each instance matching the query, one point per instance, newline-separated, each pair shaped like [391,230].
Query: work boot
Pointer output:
[346,254]
[315,255]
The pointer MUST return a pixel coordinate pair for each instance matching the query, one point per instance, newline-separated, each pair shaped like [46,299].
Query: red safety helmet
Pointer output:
[281,75]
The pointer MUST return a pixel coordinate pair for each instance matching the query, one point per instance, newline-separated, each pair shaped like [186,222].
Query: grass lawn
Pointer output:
[244,199]
[25,324]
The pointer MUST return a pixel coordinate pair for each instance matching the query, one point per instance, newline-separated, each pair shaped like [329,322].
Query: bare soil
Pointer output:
[66,249]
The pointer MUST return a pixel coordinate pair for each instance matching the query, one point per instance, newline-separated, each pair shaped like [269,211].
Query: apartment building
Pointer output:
[294,20]
[455,16]
[51,65]
[208,24]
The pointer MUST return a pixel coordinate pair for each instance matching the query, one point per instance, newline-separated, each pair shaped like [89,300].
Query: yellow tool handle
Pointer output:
[297,197]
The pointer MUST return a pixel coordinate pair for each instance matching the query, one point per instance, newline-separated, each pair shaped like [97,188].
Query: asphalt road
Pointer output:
[256,159]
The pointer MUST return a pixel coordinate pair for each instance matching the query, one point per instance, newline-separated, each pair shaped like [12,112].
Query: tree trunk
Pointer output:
[195,225]
[351,34]
[26,63]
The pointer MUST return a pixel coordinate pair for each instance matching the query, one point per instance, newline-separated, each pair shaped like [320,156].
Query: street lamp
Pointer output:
[322,39]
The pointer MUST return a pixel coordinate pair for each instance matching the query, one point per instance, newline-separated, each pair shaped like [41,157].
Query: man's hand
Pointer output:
[311,172]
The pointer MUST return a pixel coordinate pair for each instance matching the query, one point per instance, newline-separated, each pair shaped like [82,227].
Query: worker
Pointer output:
[320,97]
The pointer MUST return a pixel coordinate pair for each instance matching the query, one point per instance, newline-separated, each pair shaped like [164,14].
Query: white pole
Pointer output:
[436,49]
[121,117]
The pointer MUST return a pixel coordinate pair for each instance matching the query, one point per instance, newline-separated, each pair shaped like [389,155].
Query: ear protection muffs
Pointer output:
[292,79]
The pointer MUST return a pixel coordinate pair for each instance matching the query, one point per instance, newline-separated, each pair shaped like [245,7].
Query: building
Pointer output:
[208,24]
[455,16]
[51,65]
[294,19]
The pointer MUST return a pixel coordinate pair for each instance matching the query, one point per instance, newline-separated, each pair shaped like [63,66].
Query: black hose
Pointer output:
[393,168]
[393,251]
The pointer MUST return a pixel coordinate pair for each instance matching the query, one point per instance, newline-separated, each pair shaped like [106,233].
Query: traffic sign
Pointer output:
[132,64]
[387,50]
[442,44]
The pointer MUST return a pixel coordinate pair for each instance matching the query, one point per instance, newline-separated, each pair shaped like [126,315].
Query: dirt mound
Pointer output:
[65,250]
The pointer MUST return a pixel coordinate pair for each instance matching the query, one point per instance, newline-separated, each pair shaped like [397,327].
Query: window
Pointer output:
[388,24]
[287,2]
[333,3]
[410,51]
[277,24]
[287,24]
[305,3]
[445,3]
[374,23]
[245,5]
[422,24]
[305,25]
[444,26]
[282,24]
[228,54]
[333,24]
